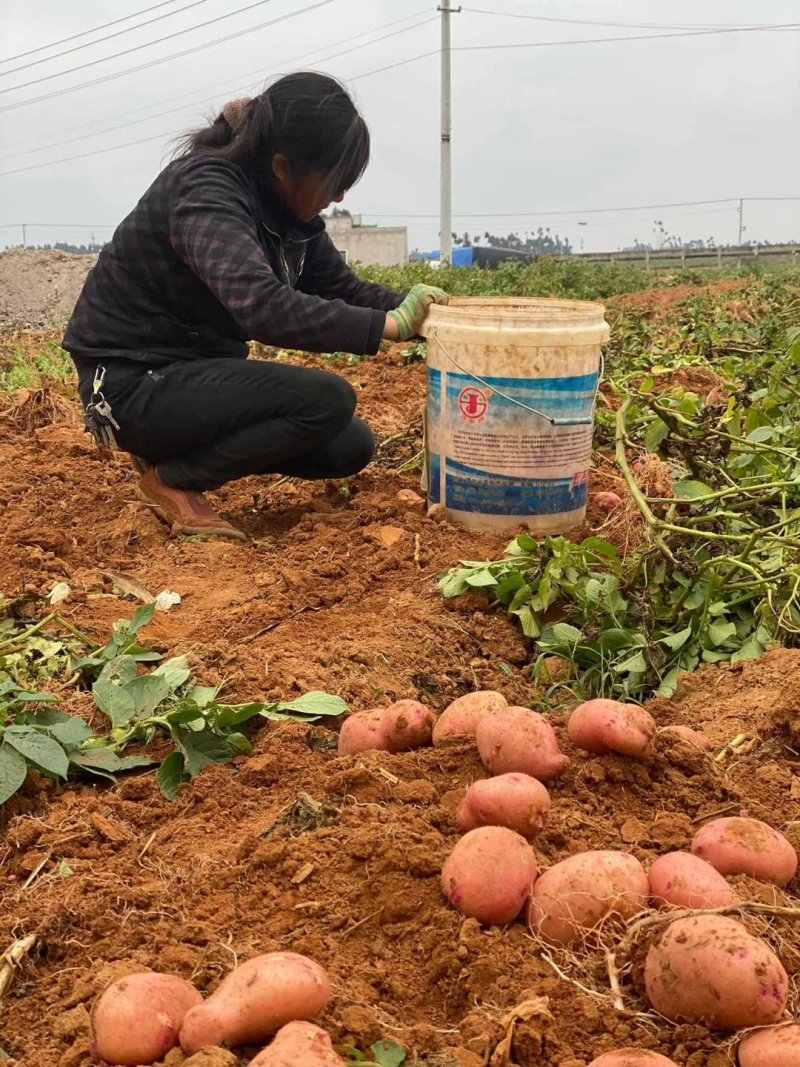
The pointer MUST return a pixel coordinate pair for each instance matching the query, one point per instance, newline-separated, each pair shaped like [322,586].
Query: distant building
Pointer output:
[380,246]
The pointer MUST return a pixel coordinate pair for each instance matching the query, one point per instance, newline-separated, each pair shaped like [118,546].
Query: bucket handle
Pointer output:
[584,421]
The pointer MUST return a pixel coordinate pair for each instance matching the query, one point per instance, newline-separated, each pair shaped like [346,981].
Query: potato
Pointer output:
[362,731]
[738,845]
[461,718]
[517,739]
[682,880]
[685,733]
[778,1046]
[406,725]
[603,726]
[632,1057]
[607,500]
[137,1019]
[257,999]
[489,874]
[516,801]
[709,969]
[299,1044]
[578,893]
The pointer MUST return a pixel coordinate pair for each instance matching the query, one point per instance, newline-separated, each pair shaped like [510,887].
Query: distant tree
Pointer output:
[541,243]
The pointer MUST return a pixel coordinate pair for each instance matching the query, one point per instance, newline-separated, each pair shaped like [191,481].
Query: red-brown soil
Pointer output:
[315,600]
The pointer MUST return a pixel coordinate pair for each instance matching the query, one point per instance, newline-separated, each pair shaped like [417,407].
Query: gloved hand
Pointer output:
[411,313]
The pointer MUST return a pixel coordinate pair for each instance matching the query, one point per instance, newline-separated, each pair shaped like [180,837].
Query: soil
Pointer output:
[38,290]
[294,846]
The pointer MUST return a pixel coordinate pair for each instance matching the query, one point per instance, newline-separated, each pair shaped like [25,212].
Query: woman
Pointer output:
[225,247]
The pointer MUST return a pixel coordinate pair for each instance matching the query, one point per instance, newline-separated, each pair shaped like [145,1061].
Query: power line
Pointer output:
[137,47]
[164,59]
[71,140]
[597,22]
[99,40]
[608,40]
[580,211]
[260,73]
[483,215]
[85,33]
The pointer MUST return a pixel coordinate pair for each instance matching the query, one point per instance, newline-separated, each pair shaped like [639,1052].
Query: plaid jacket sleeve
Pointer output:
[326,274]
[213,228]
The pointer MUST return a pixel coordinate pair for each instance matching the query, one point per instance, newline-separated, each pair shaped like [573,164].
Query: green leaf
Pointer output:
[721,631]
[316,702]
[142,617]
[229,715]
[523,594]
[22,696]
[388,1053]
[524,545]
[635,664]
[13,771]
[751,649]
[481,579]
[104,761]
[73,732]
[175,672]
[43,751]
[761,434]
[563,635]
[454,582]
[170,776]
[669,682]
[147,693]
[528,621]
[655,434]
[688,489]
[675,642]
[199,750]
[614,639]
[203,695]
[114,702]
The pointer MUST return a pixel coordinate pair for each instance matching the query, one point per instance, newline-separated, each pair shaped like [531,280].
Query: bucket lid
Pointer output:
[518,311]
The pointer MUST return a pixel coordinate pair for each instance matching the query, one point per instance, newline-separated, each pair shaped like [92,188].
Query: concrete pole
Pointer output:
[446,208]
[741,219]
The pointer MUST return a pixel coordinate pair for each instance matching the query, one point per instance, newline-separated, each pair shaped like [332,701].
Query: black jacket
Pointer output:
[208,260]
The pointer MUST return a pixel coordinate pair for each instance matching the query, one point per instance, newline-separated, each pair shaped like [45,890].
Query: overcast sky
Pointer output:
[558,129]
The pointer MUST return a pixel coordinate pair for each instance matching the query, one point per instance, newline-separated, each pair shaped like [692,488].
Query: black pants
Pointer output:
[206,422]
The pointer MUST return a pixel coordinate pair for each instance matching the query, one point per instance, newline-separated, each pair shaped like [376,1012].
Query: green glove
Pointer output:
[412,312]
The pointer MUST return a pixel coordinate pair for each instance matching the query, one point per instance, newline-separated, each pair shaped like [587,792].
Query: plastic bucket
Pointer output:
[512,384]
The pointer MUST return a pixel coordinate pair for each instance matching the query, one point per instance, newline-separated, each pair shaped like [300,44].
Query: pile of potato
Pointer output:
[700,968]
[139,1018]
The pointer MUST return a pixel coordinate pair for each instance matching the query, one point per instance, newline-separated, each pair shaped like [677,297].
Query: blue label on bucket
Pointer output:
[489,453]
[493,494]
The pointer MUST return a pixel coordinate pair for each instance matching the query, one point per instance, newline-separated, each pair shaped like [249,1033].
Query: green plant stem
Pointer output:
[53,617]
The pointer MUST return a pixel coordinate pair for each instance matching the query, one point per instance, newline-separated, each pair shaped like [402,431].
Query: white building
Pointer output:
[381,246]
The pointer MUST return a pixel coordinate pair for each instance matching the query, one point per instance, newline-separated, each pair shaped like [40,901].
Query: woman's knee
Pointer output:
[352,450]
[338,403]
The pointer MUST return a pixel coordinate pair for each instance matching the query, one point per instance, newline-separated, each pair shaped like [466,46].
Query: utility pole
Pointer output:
[446,203]
[741,213]
[24,235]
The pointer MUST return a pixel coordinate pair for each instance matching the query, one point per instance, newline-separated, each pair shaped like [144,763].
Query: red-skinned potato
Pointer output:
[362,732]
[777,1046]
[461,718]
[686,733]
[607,500]
[519,740]
[709,969]
[137,1019]
[578,893]
[407,725]
[516,801]
[739,845]
[603,726]
[632,1057]
[489,875]
[256,1000]
[681,880]
[299,1044]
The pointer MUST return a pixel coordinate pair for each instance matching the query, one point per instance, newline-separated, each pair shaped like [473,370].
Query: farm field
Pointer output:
[291,847]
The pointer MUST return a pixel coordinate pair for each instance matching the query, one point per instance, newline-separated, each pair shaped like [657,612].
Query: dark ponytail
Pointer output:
[307,117]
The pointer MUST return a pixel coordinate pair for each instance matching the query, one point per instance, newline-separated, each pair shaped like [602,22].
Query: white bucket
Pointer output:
[512,384]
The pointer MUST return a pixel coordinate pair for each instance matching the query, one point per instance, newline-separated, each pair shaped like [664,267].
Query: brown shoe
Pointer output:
[189,513]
